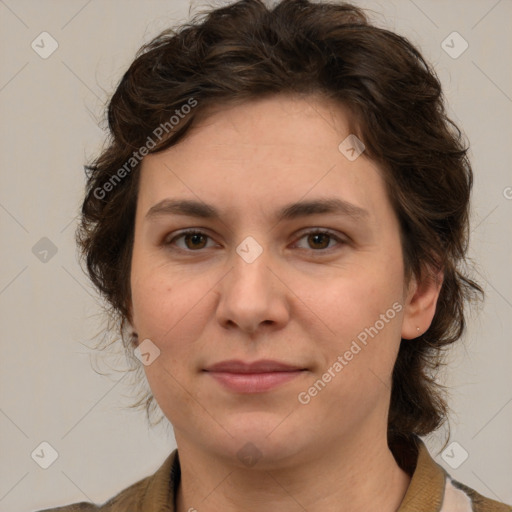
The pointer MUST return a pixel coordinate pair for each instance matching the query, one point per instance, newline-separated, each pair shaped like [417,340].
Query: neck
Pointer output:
[355,476]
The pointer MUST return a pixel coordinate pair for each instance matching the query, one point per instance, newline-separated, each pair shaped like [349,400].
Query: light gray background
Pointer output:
[49,110]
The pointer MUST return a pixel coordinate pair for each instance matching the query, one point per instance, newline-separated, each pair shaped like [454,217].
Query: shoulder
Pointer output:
[432,488]
[156,489]
[131,497]
[478,502]
[75,507]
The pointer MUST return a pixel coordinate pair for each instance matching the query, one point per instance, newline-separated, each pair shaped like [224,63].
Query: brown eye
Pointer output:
[320,241]
[194,240]
[316,241]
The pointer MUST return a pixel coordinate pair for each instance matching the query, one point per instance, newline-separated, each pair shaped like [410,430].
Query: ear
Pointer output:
[420,303]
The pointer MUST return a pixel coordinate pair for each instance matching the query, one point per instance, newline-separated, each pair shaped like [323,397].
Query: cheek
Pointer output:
[170,309]
[151,297]
[357,300]
[165,314]
[154,304]
[364,310]
[365,314]
[157,295]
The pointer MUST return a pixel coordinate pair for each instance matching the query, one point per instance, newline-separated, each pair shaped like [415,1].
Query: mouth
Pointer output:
[257,377]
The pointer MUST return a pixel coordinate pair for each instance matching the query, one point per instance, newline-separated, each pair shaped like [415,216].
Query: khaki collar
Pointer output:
[426,489]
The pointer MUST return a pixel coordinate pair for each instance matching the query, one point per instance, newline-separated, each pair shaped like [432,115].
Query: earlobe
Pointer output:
[134,339]
[420,304]
[132,334]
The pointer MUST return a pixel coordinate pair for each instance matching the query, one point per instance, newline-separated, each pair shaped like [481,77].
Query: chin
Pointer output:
[263,443]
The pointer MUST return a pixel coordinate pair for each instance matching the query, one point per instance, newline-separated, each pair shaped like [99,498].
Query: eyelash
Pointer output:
[308,233]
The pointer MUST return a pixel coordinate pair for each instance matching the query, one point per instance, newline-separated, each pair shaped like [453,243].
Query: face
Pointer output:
[294,263]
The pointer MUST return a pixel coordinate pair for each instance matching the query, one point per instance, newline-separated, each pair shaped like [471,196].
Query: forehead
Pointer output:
[283,120]
[261,154]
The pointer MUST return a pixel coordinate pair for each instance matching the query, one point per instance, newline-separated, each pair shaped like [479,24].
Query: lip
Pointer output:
[255,377]
[260,366]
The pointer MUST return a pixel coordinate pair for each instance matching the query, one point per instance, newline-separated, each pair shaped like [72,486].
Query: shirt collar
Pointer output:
[426,488]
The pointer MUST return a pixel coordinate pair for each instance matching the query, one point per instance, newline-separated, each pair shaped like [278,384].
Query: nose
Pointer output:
[253,296]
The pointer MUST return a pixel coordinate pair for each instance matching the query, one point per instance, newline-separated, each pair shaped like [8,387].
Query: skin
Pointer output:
[301,301]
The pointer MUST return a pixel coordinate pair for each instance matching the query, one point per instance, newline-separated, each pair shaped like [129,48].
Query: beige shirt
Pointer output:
[431,489]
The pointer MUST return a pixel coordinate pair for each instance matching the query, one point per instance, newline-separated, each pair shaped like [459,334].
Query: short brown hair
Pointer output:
[246,51]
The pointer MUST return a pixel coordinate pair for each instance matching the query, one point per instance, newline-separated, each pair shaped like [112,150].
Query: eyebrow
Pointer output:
[192,208]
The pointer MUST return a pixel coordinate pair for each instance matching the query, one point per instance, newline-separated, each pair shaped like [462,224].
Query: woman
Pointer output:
[279,221]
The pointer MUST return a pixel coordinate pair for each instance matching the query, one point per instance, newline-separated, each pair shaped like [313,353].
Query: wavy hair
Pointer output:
[247,50]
